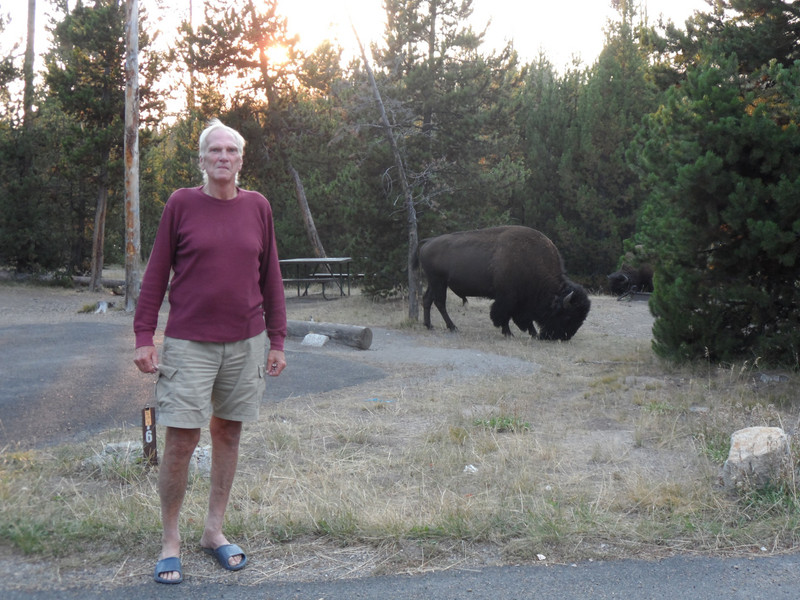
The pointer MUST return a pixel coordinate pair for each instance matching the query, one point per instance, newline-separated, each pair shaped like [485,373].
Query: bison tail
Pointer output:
[415,258]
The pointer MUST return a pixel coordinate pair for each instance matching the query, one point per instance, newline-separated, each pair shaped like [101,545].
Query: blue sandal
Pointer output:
[224,553]
[168,565]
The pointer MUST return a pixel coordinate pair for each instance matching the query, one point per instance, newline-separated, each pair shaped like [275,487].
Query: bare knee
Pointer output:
[182,442]
[225,432]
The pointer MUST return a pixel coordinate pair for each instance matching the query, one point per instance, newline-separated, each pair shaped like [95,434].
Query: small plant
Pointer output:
[503,424]
[458,435]
[714,445]
[659,408]
[780,498]
[18,460]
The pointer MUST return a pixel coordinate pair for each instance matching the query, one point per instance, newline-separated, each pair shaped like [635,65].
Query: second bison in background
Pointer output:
[631,279]
[517,267]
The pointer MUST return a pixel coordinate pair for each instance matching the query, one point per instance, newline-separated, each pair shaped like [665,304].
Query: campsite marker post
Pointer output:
[149,435]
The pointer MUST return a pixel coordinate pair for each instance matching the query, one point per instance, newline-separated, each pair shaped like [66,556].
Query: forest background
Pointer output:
[678,146]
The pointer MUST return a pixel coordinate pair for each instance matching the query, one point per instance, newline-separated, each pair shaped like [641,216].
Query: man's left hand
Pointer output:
[276,362]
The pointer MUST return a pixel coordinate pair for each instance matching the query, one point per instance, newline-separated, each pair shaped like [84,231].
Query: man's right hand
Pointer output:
[146,358]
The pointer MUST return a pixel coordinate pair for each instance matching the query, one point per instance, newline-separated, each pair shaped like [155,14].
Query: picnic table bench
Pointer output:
[303,272]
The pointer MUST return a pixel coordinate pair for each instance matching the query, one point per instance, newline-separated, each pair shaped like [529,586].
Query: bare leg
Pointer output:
[172,478]
[224,458]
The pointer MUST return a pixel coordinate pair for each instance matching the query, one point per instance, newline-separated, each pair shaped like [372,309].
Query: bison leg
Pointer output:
[525,324]
[427,300]
[500,317]
[436,294]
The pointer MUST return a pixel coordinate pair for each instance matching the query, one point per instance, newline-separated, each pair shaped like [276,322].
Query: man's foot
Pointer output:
[168,570]
[229,556]
[212,544]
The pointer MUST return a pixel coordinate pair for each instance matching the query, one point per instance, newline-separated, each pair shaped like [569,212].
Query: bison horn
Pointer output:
[568,299]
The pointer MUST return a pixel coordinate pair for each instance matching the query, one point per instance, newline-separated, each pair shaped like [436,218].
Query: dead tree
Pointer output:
[414,280]
[132,225]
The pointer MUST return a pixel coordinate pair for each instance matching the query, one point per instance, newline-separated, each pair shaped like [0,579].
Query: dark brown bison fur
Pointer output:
[517,267]
[631,279]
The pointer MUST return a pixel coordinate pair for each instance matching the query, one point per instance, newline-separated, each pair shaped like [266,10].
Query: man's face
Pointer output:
[222,159]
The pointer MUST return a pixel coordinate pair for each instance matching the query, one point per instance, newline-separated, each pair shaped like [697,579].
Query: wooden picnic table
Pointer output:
[303,272]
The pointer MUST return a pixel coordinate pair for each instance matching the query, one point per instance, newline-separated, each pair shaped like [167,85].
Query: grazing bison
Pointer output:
[631,279]
[517,267]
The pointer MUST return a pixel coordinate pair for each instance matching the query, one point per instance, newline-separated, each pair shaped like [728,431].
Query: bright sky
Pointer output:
[562,28]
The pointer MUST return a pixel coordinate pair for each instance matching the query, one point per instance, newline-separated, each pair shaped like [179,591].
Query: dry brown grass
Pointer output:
[599,451]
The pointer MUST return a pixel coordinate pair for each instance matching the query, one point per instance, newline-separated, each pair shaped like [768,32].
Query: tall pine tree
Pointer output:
[722,217]
[577,128]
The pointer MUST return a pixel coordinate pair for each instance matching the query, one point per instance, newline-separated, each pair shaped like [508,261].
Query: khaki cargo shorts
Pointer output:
[198,379]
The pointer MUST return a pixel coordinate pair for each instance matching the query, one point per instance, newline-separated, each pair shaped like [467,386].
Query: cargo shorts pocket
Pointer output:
[166,371]
[166,379]
[261,383]
[261,389]
[165,388]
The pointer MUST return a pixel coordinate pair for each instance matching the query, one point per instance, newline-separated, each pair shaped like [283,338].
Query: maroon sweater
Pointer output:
[226,284]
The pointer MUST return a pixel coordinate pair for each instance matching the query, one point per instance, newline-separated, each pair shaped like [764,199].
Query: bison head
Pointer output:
[619,282]
[631,279]
[568,312]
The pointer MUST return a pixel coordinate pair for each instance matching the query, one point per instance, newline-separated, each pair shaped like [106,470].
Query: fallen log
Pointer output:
[7,275]
[352,335]
[105,282]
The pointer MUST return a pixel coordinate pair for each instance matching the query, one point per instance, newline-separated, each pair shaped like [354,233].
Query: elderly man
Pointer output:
[226,300]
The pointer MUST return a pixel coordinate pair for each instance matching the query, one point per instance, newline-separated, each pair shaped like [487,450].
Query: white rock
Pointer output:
[132,453]
[123,449]
[201,461]
[757,457]
[115,454]
[315,339]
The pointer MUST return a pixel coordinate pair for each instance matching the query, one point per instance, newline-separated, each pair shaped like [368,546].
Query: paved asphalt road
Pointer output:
[67,382]
[680,578]
[70,381]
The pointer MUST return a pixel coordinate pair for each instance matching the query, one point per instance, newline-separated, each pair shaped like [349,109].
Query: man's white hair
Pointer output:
[214,125]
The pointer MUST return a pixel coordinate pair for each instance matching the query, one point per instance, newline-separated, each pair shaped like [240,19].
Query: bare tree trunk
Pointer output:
[311,229]
[27,70]
[190,97]
[414,279]
[280,127]
[99,236]
[427,110]
[132,225]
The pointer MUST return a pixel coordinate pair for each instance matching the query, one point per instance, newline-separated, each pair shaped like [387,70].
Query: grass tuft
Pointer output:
[503,424]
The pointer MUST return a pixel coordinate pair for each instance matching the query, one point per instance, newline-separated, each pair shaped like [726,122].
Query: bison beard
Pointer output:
[517,267]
